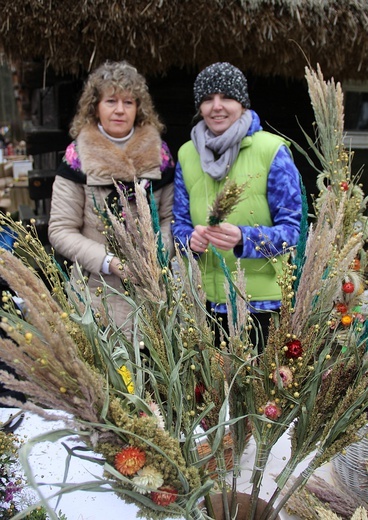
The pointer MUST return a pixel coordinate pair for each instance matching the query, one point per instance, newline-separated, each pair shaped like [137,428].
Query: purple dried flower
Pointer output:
[10,490]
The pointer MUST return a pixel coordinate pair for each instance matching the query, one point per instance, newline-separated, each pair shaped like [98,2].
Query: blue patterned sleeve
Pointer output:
[182,227]
[285,203]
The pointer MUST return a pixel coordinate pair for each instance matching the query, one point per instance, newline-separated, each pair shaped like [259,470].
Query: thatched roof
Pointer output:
[267,37]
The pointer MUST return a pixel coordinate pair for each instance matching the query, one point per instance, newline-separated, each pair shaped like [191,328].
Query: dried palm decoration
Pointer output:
[225,202]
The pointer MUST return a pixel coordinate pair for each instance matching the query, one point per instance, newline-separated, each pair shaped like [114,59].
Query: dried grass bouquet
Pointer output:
[146,405]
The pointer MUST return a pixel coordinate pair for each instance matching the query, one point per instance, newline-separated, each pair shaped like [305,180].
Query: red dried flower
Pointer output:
[294,349]
[272,411]
[348,287]
[198,392]
[129,460]
[164,496]
[341,307]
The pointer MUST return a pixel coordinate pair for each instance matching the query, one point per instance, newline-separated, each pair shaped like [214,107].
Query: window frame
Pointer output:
[355,139]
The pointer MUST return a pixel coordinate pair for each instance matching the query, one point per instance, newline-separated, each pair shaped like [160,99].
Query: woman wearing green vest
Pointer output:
[228,142]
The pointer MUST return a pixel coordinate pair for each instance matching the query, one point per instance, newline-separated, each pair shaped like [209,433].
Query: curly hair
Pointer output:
[117,77]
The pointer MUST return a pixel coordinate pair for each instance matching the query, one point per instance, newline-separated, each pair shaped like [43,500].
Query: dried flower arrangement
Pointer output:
[15,495]
[318,495]
[145,420]
[360,514]
[145,404]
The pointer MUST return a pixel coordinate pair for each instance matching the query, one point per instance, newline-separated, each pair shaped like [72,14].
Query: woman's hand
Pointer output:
[119,269]
[116,268]
[198,241]
[224,236]
[122,271]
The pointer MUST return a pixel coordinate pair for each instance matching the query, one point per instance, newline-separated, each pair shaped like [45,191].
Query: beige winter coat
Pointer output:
[75,230]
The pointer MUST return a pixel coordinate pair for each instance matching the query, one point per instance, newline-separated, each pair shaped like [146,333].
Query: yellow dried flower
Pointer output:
[127,378]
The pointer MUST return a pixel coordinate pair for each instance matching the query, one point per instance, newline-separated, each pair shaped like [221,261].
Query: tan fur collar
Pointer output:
[102,160]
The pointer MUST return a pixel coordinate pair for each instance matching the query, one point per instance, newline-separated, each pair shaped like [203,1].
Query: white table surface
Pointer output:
[47,461]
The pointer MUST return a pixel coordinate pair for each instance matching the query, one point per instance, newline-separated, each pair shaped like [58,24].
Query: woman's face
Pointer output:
[117,113]
[220,112]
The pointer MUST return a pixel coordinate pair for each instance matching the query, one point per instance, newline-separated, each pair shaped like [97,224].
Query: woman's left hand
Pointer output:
[224,236]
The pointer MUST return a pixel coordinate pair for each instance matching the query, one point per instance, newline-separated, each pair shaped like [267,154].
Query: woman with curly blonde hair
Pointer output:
[117,141]
[118,77]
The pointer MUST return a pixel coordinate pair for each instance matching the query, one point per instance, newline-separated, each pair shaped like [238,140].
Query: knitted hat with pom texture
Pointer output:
[221,77]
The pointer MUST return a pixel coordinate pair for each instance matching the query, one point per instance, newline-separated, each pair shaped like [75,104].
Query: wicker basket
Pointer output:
[351,469]
[211,466]
[204,449]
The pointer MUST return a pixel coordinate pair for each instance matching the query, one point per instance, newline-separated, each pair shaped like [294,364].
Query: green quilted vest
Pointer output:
[251,167]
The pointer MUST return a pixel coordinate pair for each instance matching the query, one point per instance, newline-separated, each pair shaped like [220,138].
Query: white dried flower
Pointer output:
[147,479]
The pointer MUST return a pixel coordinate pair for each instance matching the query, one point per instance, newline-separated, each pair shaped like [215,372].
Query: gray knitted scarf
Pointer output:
[225,146]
